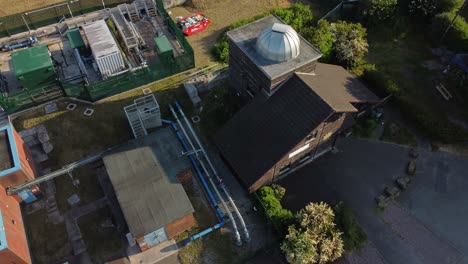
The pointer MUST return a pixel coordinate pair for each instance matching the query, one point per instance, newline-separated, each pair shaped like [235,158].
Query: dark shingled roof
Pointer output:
[265,130]
[338,87]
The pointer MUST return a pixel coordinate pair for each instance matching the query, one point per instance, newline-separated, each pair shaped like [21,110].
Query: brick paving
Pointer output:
[426,245]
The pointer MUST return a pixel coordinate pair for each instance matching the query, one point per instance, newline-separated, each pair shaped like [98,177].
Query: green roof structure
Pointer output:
[33,66]
[164,46]
[74,36]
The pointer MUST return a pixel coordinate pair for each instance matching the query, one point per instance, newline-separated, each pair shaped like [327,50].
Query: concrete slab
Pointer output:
[165,252]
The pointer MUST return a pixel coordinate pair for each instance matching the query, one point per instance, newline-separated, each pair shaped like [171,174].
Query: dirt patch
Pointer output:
[221,14]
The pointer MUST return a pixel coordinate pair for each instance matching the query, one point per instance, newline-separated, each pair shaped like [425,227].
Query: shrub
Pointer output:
[298,16]
[457,37]
[279,216]
[378,82]
[350,42]
[314,237]
[448,5]
[221,48]
[422,8]
[375,11]
[322,38]
[365,127]
[279,191]
[353,236]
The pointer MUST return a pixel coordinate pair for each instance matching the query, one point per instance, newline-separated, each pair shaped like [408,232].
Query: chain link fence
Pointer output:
[114,85]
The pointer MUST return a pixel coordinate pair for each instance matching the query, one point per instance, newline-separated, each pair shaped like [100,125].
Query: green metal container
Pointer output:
[164,47]
[33,67]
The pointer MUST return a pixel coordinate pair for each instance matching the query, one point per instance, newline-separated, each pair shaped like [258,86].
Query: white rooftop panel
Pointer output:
[100,39]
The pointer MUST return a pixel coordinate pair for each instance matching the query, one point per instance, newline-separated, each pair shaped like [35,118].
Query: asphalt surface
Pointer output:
[433,207]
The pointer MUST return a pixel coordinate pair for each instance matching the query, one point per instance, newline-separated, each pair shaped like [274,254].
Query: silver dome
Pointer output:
[278,42]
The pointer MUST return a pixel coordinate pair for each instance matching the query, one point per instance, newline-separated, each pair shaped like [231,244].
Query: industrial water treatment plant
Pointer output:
[92,56]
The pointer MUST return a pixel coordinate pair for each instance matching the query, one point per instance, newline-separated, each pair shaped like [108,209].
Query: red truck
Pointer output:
[193,24]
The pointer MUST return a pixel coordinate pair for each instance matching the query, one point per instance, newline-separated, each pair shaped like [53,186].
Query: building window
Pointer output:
[285,168]
[311,137]
[305,158]
[13,221]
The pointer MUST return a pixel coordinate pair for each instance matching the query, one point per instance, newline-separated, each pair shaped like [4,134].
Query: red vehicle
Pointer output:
[193,24]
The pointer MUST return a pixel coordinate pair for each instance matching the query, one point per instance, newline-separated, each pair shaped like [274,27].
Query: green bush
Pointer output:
[350,45]
[365,127]
[279,191]
[378,82]
[298,16]
[279,216]
[322,38]
[375,11]
[353,236]
[448,5]
[457,37]
[221,48]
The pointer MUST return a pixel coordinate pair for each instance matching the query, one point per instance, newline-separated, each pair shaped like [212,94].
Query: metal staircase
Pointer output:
[135,121]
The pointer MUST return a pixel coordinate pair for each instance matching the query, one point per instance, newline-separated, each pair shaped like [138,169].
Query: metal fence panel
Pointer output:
[113,85]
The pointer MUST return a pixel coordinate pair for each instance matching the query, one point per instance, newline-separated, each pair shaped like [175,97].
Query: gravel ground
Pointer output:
[426,245]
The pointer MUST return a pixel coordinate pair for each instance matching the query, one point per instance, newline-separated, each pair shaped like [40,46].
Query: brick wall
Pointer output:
[180,225]
[28,169]
[327,132]
[185,177]
[14,229]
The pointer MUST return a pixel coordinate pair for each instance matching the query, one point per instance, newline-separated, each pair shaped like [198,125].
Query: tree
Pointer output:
[298,16]
[314,237]
[378,10]
[350,42]
[423,8]
[322,38]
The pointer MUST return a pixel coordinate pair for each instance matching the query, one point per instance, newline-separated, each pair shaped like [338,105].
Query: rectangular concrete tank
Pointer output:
[105,51]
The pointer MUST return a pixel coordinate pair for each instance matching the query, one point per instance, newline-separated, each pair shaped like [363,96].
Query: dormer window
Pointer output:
[311,137]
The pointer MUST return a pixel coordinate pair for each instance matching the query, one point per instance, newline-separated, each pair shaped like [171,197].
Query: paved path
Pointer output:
[360,171]
[73,230]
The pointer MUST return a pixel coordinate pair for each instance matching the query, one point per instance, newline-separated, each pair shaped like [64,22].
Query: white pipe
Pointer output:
[221,182]
[234,225]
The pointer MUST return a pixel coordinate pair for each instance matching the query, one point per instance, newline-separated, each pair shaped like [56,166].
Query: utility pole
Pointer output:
[453,20]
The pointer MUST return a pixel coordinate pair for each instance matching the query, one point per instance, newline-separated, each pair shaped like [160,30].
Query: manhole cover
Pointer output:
[88,111]
[71,107]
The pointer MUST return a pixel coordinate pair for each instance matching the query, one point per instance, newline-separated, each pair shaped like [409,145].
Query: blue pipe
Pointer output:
[205,185]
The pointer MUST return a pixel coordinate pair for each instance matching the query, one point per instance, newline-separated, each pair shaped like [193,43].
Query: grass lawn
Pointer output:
[396,134]
[216,247]
[89,189]
[75,136]
[222,14]
[102,241]
[48,242]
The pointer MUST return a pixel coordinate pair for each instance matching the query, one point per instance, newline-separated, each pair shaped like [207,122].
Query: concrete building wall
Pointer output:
[180,225]
[14,229]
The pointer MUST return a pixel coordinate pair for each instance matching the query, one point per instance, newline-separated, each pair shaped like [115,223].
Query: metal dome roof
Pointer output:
[278,42]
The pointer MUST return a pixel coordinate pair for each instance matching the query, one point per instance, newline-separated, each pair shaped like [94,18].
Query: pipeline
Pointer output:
[66,169]
[228,212]
[205,185]
[221,182]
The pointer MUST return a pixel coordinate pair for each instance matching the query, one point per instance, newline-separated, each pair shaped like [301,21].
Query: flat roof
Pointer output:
[100,39]
[9,160]
[245,38]
[74,36]
[338,87]
[143,174]
[31,59]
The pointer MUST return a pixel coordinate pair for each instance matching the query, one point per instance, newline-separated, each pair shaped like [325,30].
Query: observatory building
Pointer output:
[296,107]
